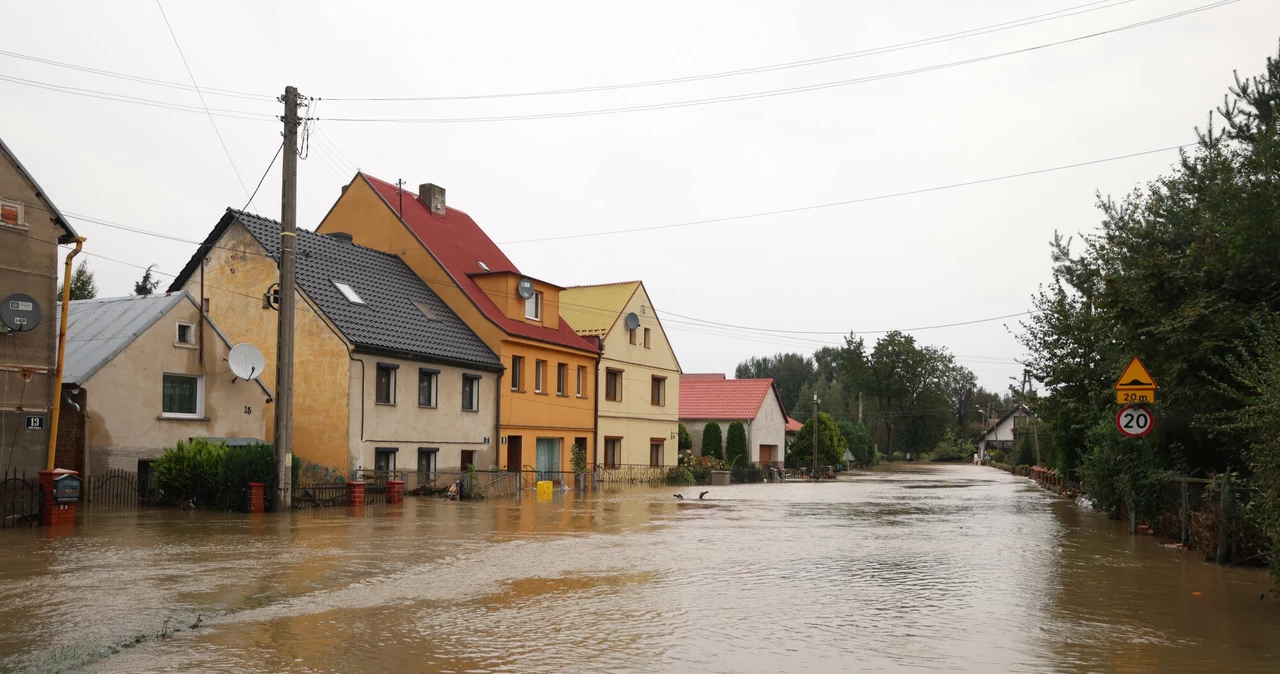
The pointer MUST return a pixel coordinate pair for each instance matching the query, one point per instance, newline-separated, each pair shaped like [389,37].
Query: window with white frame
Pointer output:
[11,213]
[582,381]
[428,386]
[186,333]
[533,307]
[539,373]
[384,384]
[471,392]
[182,396]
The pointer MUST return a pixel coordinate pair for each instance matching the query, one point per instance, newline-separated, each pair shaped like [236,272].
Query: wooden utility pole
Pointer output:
[815,436]
[284,332]
[859,407]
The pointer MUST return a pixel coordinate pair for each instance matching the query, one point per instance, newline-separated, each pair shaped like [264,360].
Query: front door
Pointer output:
[548,458]
[766,454]
[515,451]
[427,464]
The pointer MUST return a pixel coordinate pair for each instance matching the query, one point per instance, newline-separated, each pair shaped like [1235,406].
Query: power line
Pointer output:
[203,104]
[136,78]
[854,332]
[135,100]
[775,92]
[847,202]
[923,42]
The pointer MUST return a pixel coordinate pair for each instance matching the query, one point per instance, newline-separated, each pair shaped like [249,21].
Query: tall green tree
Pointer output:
[858,441]
[789,371]
[735,445]
[712,441]
[83,286]
[831,444]
[147,284]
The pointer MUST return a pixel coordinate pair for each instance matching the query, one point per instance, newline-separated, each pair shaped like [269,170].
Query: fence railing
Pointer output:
[320,494]
[20,498]
[501,485]
[113,488]
[633,473]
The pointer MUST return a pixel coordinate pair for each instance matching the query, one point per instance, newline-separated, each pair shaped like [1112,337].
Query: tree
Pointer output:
[712,441]
[83,286]
[830,444]
[147,284]
[859,442]
[685,440]
[789,372]
[735,446]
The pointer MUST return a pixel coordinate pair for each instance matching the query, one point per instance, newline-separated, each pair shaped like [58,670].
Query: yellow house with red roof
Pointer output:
[639,380]
[547,396]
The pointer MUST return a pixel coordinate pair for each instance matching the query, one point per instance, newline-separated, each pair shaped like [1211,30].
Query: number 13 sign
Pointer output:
[1134,421]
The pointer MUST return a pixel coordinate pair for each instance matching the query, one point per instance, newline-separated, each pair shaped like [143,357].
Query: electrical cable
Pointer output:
[923,42]
[773,92]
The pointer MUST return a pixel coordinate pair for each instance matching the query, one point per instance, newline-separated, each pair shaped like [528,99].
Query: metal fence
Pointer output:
[20,496]
[115,488]
[320,494]
[631,473]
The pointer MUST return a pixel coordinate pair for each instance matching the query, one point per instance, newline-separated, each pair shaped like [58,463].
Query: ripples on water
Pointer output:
[954,568]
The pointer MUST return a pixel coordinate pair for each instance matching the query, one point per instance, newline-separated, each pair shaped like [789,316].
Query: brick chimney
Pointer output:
[433,196]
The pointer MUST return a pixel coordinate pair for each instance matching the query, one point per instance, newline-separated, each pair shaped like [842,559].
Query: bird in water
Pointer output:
[702,495]
[679,496]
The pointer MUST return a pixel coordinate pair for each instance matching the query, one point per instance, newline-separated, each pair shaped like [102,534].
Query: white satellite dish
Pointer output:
[246,361]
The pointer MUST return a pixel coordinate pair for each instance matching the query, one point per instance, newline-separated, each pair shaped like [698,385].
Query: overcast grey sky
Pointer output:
[939,257]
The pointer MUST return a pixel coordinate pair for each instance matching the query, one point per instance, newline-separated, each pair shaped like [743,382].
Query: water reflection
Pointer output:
[914,567]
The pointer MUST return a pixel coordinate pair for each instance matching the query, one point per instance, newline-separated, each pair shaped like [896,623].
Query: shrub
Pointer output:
[951,448]
[242,465]
[831,444]
[712,441]
[736,453]
[998,456]
[859,442]
[189,472]
[680,476]
[578,459]
[685,441]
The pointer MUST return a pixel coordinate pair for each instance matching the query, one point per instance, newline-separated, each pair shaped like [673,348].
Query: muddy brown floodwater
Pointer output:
[920,567]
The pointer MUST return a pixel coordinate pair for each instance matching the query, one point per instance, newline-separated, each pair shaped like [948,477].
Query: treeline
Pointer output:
[1185,273]
[912,395]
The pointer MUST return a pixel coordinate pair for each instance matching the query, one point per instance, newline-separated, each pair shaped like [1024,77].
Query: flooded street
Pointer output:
[954,568]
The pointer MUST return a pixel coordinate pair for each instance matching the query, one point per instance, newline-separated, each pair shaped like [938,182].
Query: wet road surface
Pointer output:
[911,568]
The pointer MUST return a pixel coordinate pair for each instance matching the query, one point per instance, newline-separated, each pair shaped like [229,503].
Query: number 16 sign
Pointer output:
[1134,421]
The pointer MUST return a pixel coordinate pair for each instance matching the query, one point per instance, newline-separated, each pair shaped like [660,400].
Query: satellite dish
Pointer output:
[20,312]
[246,361]
[525,288]
[633,321]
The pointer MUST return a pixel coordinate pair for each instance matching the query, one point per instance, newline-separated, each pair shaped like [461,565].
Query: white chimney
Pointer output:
[432,196]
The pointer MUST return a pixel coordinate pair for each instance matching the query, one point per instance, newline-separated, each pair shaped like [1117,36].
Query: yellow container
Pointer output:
[545,490]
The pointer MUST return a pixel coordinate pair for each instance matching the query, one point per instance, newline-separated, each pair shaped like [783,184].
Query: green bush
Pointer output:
[735,447]
[998,456]
[685,440]
[951,448]
[242,465]
[1026,449]
[190,471]
[680,476]
[831,444]
[712,441]
[859,442]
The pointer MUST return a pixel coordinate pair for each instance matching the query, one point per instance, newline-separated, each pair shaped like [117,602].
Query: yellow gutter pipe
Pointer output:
[62,352]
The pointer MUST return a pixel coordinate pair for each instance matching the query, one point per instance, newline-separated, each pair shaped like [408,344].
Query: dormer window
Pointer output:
[533,307]
[348,293]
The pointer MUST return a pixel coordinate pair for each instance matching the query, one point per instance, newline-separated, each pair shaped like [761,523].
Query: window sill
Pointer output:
[562,395]
[175,417]
[184,345]
[473,411]
[540,393]
[428,407]
[385,404]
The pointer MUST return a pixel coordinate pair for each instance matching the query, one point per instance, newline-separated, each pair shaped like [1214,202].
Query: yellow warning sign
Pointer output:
[1135,384]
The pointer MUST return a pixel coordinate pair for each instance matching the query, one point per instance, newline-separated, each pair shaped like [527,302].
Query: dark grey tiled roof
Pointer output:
[388,319]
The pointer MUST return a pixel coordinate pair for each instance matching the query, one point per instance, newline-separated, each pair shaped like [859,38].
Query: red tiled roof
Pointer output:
[793,426]
[460,246]
[702,375]
[732,399]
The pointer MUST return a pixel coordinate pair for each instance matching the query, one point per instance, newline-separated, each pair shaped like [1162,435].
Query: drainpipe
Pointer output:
[497,422]
[203,369]
[749,445]
[62,351]
[595,414]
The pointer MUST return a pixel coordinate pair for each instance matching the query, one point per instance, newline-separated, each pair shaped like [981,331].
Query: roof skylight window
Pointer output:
[348,293]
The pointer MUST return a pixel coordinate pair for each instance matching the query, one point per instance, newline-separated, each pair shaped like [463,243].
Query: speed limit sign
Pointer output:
[1134,421]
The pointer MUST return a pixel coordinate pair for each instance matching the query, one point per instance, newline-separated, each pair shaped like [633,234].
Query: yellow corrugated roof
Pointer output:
[592,310]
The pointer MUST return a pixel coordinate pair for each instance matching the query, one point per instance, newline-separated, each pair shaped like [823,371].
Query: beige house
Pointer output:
[639,375]
[142,374]
[386,376]
[753,402]
[30,230]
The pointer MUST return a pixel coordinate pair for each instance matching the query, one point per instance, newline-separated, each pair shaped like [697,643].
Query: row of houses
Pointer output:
[419,346]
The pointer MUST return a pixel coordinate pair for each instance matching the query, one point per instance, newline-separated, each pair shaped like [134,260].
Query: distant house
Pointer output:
[140,377]
[31,228]
[1003,434]
[754,402]
[638,373]
[793,428]
[386,376]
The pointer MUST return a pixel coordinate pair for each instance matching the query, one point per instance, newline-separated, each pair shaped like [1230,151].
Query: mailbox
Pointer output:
[66,489]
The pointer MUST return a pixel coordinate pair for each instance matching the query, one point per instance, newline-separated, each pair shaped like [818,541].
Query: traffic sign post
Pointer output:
[1135,385]
[1134,421]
